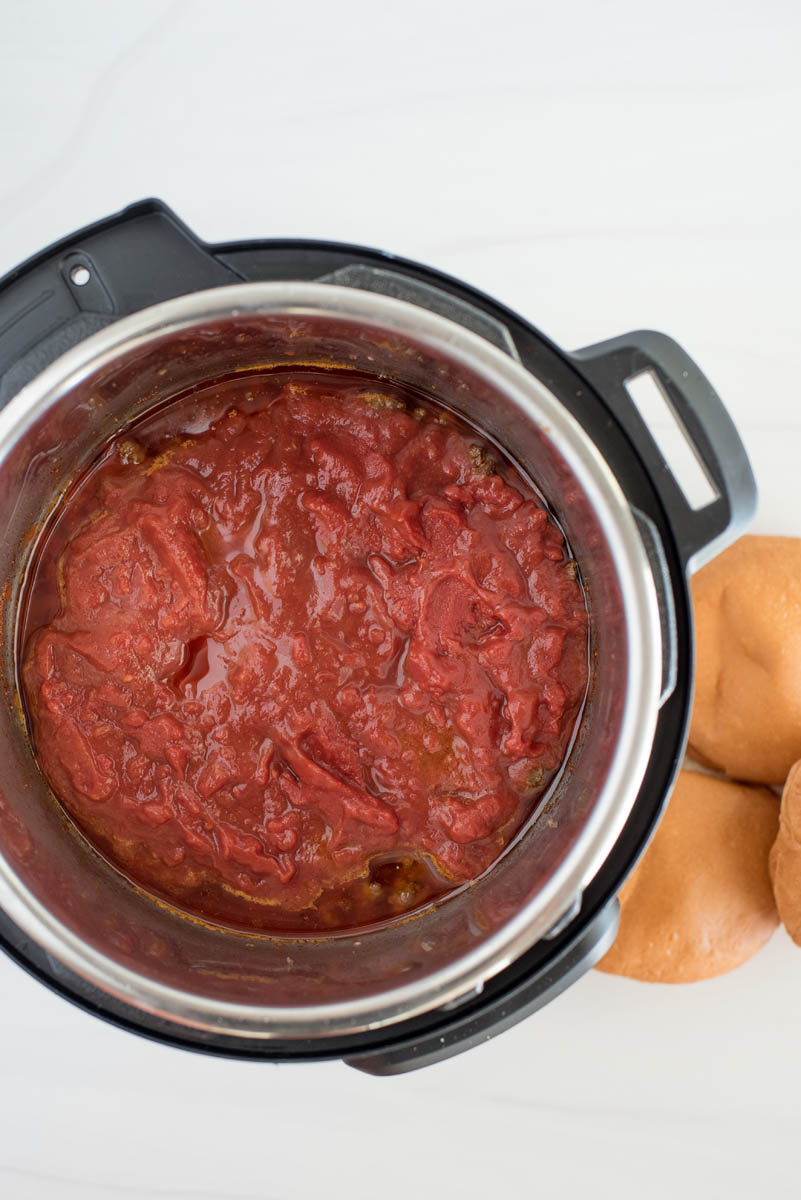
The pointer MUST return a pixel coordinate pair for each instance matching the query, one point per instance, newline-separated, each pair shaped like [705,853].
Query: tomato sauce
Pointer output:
[302,652]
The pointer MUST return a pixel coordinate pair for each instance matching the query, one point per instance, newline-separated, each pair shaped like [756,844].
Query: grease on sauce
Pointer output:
[301,653]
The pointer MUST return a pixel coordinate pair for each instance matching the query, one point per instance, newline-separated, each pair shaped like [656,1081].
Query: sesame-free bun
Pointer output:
[785,857]
[700,902]
[746,717]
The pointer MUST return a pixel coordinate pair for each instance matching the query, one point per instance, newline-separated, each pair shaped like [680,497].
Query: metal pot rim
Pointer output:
[467,975]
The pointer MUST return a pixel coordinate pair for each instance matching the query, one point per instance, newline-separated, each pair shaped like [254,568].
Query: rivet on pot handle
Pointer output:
[700,532]
[86,281]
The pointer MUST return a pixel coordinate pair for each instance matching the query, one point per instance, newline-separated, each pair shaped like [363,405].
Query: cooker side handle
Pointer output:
[487,1018]
[83,283]
[701,532]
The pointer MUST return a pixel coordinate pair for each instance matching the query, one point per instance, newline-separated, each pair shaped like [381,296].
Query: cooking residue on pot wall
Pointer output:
[298,656]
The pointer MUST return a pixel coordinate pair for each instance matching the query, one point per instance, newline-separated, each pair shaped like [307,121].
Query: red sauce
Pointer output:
[299,656]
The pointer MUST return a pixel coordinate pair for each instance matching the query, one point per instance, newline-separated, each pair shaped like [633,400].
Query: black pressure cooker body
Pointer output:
[145,255]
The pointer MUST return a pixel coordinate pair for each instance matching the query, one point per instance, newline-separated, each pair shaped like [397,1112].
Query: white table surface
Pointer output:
[599,166]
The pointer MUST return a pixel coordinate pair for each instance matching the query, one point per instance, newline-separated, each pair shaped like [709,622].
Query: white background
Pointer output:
[599,166]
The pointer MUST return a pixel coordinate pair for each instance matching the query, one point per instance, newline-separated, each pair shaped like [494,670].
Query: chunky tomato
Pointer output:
[306,663]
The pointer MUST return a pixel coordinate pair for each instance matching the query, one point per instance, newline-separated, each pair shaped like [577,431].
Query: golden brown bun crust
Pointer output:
[785,857]
[747,712]
[699,902]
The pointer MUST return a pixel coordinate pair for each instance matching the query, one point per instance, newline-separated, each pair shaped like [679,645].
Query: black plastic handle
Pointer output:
[700,533]
[496,1014]
[133,259]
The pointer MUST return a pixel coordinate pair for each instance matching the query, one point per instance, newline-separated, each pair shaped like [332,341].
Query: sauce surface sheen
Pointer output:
[301,654]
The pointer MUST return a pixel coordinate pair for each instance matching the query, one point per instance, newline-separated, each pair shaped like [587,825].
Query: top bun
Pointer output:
[746,717]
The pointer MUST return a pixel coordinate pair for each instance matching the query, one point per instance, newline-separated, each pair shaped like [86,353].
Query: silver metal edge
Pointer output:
[644,667]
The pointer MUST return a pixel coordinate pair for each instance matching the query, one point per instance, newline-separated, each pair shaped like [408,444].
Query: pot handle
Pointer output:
[706,425]
[108,270]
[478,1020]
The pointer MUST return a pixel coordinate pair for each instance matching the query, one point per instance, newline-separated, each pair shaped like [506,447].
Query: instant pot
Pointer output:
[135,309]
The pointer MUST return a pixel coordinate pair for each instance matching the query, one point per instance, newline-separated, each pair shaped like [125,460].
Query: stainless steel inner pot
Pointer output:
[67,899]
